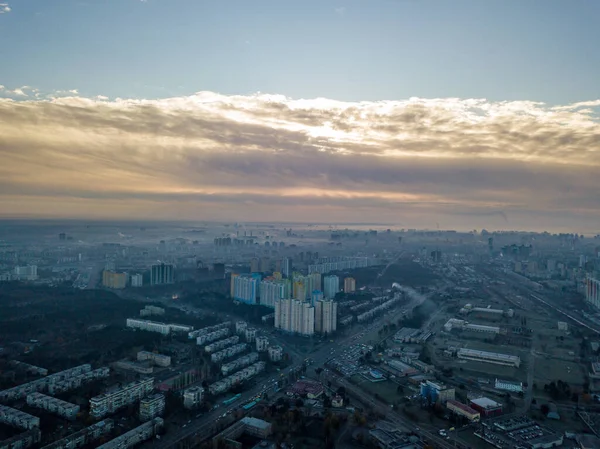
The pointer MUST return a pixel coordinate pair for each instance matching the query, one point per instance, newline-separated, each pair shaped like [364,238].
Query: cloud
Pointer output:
[459,162]
[4,8]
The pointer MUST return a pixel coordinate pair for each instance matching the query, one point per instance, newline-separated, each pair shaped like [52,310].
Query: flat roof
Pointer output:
[255,422]
[476,352]
[486,403]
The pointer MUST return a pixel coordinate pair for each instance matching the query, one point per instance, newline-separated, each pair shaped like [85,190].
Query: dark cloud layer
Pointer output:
[319,160]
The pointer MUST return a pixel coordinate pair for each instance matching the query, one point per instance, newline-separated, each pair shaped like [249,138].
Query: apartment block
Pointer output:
[331,286]
[154,326]
[193,397]
[22,440]
[221,344]
[17,418]
[152,406]
[53,405]
[162,274]
[118,398]
[326,316]
[262,343]
[275,353]
[349,285]
[239,363]
[135,436]
[228,352]
[207,330]
[84,436]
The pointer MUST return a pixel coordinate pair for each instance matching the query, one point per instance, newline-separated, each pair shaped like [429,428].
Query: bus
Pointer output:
[249,405]
[232,399]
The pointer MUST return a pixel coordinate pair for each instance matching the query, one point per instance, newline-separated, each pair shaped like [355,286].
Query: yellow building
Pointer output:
[349,285]
[299,291]
[110,279]
[277,275]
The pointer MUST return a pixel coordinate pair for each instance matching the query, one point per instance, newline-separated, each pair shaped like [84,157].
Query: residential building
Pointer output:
[228,352]
[135,436]
[232,284]
[111,279]
[137,280]
[489,357]
[271,291]
[246,288]
[53,405]
[286,267]
[152,310]
[154,326]
[239,363]
[349,285]
[295,316]
[84,436]
[463,410]
[331,286]
[275,353]
[592,292]
[436,391]
[254,265]
[46,383]
[162,274]
[316,281]
[262,343]
[221,344]
[299,288]
[250,334]
[120,397]
[265,264]
[193,397]
[26,273]
[22,440]
[240,327]
[317,295]
[152,406]
[17,418]
[328,264]
[212,336]
[250,426]
[326,316]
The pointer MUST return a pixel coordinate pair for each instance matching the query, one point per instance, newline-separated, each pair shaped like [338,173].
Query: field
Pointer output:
[386,390]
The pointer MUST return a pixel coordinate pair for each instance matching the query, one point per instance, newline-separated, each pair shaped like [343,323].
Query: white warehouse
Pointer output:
[489,357]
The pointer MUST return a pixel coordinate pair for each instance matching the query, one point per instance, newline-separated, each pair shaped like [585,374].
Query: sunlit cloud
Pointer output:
[268,156]
[5,8]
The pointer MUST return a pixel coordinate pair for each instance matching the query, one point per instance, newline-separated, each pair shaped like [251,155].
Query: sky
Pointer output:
[462,114]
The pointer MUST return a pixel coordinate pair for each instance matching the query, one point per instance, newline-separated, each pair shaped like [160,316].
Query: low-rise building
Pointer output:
[240,327]
[221,344]
[157,359]
[228,352]
[486,407]
[53,405]
[250,334]
[436,391]
[462,409]
[251,426]
[489,357]
[505,385]
[118,398]
[275,353]
[22,440]
[84,436]
[155,326]
[193,397]
[239,363]
[139,434]
[152,406]
[262,344]
[17,418]
[76,381]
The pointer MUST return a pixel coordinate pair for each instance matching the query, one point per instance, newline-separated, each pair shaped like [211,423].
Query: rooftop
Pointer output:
[486,403]
[255,422]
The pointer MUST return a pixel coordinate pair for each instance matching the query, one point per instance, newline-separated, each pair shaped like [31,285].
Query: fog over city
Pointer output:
[307,224]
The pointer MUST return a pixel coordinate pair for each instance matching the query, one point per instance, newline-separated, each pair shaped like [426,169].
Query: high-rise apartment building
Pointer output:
[286,267]
[317,295]
[110,279]
[326,316]
[271,291]
[254,265]
[246,288]
[265,264]
[26,273]
[349,285]
[316,282]
[162,274]
[299,289]
[137,280]
[232,284]
[331,286]
[592,292]
[295,316]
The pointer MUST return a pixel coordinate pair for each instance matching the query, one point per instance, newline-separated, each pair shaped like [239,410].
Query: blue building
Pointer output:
[246,288]
[436,391]
[317,295]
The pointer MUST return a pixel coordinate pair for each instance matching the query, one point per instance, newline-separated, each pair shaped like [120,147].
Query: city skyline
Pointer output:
[497,134]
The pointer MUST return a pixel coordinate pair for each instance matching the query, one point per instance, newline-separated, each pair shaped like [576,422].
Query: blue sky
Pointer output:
[540,50]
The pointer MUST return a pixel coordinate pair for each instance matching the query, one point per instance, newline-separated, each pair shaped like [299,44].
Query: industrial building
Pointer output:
[239,363]
[152,406]
[228,352]
[22,440]
[489,357]
[17,418]
[53,405]
[262,344]
[486,312]
[157,359]
[212,336]
[505,385]
[140,433]
[112,401]
[155,326]
[436,391]
[43,384]
[207,330]
[193,397]
[84,436]
[225,384]
[221,344]
[463,410]
[486,407]
[275,353]
[454,324]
